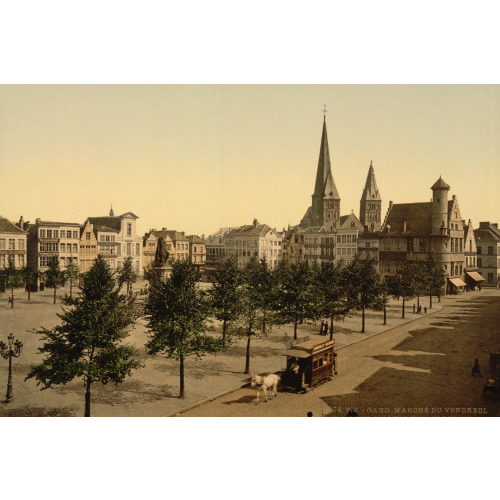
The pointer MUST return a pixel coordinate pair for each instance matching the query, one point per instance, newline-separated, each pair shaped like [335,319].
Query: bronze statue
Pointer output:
[162,254]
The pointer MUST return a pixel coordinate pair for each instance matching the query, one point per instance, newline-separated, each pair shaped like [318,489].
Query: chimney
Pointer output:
[390,204]
[454,197]
[163,228]
[38,220]
[183,233]
[21,223]
[255,223]
[495,225]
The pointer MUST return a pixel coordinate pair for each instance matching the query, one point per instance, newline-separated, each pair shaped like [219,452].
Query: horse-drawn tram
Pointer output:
[308,363]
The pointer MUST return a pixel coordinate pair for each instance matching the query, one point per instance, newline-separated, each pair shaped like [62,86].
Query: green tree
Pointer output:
[402,284]
[30,278]
[177,318]
[266,286]
[364,287]
[127,274]
[226,295]
[89,342]
[250,321]
[330,289]
[71,272]
[296,301]
[53,275]
[435,278]
[13,279]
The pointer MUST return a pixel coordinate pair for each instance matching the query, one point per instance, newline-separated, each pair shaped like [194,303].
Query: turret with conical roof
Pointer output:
[325,208]
[440,207]
[371,203]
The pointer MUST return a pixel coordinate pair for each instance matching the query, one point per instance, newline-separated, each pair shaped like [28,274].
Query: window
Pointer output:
[490,250]
[479,250]
[12,244]
[21,260]
[107,237]
[2,244]
[42,233]
[62,246]
[129,229]
[75,235]
[49,233]
[129,248]
[87,235]
[479,263]
[75,247]
[20,244]
[138,249]
[56,233]
[101,237]
[68,234]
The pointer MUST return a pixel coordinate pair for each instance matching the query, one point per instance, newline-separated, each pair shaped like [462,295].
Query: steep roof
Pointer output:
[109,222]
[417,216]
[440,184]
[487,231]
[195,239]
[351,217]
[8,227]
[251,230]
[370,192]
[325,185]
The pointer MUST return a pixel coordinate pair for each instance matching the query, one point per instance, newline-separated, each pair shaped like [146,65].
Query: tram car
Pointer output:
[308,363]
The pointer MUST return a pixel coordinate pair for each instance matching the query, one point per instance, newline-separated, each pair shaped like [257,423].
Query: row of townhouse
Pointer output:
[179,247]
[113,237]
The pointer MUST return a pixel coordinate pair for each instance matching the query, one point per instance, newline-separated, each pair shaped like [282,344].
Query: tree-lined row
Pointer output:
[180,317]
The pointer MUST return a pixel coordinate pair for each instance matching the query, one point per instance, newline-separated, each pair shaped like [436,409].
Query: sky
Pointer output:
[198,157]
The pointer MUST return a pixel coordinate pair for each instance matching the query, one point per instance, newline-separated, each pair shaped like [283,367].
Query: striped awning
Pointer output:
[475,276]
[456,281]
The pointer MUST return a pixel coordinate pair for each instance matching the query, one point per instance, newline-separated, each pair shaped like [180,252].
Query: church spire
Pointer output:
[370,192]
[325,185]
[111,213]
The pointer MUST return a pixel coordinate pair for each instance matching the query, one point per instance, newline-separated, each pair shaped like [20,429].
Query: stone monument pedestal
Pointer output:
[163,272]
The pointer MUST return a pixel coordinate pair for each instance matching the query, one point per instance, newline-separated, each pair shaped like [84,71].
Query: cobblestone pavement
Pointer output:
[418,369]
[153,390]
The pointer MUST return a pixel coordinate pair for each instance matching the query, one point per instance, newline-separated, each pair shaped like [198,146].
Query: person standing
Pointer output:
[326,329]
[413,308]
[322,328]
[475,368]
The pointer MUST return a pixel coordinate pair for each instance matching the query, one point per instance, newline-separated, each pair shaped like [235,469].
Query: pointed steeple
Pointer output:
[111,213]
[370,192]
[325,185]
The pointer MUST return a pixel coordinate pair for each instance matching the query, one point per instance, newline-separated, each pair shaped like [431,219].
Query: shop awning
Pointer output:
[475,276]
[456,281]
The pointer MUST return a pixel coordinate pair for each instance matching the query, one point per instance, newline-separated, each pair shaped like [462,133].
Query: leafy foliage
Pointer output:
[71,272]
[226,295]
[364,287]
[11,278]
[89,342]
[53,275]
[177,314]
[127,274]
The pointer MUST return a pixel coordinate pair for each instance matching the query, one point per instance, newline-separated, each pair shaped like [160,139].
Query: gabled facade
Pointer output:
[255,240]
[197,252]
[88,247]
[421,231]
[488,252]
[127,242]
[293,246]
[13,243]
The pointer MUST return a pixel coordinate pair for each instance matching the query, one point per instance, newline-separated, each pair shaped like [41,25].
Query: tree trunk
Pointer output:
[12,298]
[331,328]
[54,295]
[403,315]
[29,292]
[295,330]
[224,328]
[70,289]
[385,315]
[247,360]
[430,299]
[418,301]
[264,322]
[363,321]
[182,392]
[87,397]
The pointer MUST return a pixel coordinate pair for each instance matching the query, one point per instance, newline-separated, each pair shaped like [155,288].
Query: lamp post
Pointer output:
[8,351]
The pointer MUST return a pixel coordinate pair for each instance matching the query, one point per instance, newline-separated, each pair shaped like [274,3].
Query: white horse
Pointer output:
[264,383]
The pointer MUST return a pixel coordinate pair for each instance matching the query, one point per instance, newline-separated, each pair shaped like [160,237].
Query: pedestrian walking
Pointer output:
[425,310]
[322,328]
[419,309]
[326,329]
[475,368]
[439,298]
[414,308]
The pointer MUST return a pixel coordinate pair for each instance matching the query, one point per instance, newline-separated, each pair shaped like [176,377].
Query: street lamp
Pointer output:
[7,351]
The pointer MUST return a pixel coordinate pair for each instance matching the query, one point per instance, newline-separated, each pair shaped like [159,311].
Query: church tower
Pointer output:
[325,208]
[440,207]
[370,208]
